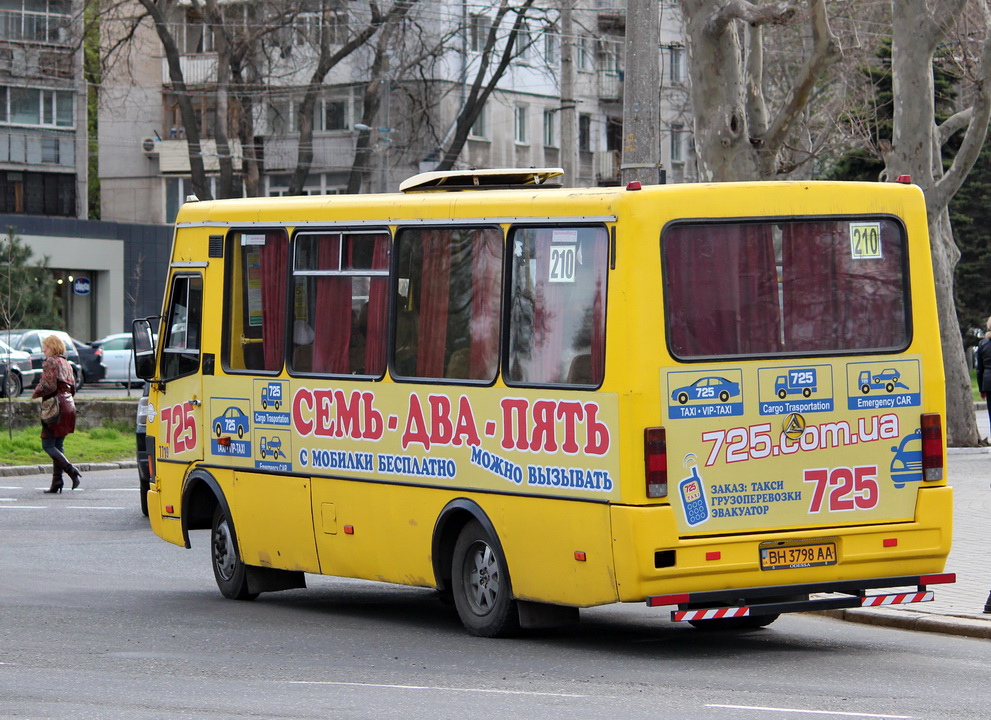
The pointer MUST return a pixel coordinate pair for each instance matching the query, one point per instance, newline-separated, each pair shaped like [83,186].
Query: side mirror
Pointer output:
[144,348]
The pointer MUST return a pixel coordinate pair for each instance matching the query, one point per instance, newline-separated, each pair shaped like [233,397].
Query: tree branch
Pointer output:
[779,13]
[825,51]
[970,149]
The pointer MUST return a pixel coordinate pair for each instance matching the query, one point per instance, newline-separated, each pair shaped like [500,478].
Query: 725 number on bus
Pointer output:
[180,427]
[843,489]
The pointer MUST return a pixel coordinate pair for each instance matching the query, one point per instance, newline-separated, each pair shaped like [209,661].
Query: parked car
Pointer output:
[29,341]
[140,432]
[91,359]
[16,372]
[118,359]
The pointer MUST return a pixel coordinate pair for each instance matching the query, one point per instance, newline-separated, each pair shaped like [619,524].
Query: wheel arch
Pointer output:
[451,520]
[201,494]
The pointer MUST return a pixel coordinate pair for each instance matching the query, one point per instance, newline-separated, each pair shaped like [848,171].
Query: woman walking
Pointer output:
[58,381]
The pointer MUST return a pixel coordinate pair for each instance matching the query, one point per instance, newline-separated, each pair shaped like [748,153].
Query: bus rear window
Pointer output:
[785,287]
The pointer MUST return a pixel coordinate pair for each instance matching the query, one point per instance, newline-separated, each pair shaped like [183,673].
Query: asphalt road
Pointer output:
[101,619]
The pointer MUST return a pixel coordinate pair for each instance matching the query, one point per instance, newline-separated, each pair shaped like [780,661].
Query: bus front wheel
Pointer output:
[480,585]
[228,568]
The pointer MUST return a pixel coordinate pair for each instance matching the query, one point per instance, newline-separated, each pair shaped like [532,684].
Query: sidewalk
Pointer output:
[957,608]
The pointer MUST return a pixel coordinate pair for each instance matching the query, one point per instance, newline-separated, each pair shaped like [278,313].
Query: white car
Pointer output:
[118,357]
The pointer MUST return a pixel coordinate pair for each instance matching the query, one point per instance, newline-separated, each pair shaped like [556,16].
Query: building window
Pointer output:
[521,118]
[609,56]
[677,143]
[583,50]
[480,130]
[41,108]
[585,133]
[524,41]
[550,129]
[552,47]
[479,32]
[676,55]
[335,115]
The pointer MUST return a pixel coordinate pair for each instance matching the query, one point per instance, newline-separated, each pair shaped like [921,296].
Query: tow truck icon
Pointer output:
[887,380]
[272,447]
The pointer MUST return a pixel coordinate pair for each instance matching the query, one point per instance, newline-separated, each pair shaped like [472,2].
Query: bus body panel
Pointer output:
[348,476]
[869,551]
[384,532]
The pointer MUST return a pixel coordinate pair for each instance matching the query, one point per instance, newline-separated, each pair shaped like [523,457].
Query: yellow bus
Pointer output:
[726,399]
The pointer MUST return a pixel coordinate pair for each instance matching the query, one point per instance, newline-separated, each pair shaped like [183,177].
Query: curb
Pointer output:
[919,622]
[14,470]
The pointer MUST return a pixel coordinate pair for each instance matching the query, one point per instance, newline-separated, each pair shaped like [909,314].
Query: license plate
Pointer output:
[785,557]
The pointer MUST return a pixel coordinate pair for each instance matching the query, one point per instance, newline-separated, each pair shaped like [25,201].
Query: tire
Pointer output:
[890,387]
[217,429]
[480,584]
[806,393]
[724,396]
[865,389]
[682,398]
[751,622]
[240,431]
[145,486]
[232,578]
[13,385]
[782,394]
[80,379]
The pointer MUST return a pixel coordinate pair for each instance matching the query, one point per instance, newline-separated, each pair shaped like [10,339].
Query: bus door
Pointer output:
[180,432]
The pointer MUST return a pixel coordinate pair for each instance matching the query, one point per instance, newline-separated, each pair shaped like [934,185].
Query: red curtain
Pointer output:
[835,301]
[434,300]
[377,309]
[274,259]
[550,307]
[332,315]
[486,284]
[598,351]
[721,290]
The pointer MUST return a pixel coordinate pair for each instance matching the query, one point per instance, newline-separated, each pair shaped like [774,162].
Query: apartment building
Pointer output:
[144,154]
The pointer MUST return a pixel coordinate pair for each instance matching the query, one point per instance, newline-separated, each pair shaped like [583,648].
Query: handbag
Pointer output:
[50,410]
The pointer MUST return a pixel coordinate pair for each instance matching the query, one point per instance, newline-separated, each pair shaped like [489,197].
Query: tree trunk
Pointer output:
[917,151]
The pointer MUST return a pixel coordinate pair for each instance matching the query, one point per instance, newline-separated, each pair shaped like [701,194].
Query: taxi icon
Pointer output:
[707,388]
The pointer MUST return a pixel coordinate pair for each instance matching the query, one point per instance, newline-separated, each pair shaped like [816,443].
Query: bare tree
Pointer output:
[737,135]
[485,82]
[739,138]
[919,148]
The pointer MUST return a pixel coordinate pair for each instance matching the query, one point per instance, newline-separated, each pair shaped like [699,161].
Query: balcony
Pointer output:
[35,27]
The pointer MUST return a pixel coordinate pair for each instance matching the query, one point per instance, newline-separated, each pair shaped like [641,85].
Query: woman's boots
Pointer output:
[56,483]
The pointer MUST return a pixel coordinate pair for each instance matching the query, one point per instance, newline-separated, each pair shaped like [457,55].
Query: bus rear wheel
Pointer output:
[228,569]
[480,585]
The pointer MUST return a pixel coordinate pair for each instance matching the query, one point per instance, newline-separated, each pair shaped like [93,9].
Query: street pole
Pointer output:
[641,91]
[569,109]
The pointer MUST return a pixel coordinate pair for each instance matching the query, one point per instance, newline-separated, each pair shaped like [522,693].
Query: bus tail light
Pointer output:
[655,455]
[932,447]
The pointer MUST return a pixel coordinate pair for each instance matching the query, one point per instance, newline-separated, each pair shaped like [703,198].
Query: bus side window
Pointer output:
[448,303]
[180,349]
[340,288]
[557,306]
[257,296]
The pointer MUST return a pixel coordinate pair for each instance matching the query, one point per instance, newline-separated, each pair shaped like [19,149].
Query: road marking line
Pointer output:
[23,507]
[436,687]
[812,712]
[92,507]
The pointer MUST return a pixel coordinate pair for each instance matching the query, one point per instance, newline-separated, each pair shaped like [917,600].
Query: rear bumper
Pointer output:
[749,602]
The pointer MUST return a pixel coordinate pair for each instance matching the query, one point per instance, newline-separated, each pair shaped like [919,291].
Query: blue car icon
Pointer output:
[231,422]
[906,465]
[707,388]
